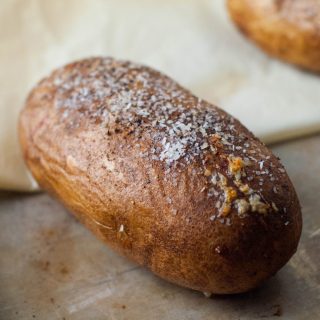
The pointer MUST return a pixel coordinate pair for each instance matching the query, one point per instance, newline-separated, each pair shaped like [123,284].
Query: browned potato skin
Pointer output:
[286,29]
[66,156]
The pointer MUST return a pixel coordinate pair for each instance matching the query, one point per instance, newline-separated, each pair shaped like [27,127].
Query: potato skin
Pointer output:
[286,29]
[156,173]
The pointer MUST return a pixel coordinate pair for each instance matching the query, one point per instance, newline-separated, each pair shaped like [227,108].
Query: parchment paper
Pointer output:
[192,41]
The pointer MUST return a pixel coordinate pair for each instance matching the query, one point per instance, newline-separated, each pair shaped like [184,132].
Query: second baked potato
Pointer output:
[286,29]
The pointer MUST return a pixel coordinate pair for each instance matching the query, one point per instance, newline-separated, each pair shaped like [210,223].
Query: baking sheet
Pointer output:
[52,268]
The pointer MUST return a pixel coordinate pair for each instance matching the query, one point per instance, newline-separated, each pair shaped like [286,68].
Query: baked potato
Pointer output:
[286,29]
[163,177]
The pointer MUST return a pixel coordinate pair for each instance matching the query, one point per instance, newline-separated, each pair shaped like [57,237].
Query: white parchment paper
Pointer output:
[193,41]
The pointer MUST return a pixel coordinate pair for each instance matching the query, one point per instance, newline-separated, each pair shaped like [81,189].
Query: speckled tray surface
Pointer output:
[51,267]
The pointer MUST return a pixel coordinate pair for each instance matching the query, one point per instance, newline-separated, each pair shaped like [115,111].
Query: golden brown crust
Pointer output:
[163,177]
[286,29]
